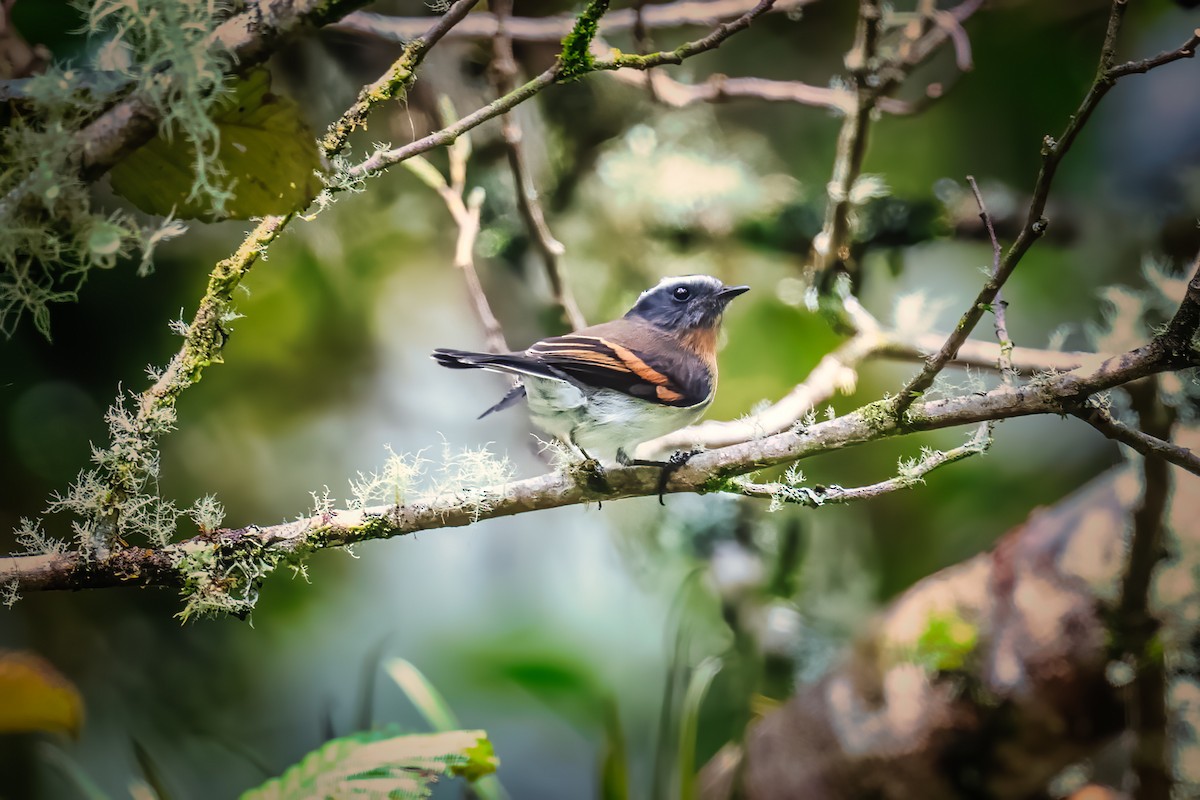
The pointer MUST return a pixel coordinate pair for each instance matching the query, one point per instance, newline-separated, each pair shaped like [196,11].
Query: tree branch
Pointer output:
[999,307]
[1053,152]
[911,475]
[505,69]
[837,373]
[1140,441]
[205,336]
[382,159]
[226,551]
[874,78]
[485,25]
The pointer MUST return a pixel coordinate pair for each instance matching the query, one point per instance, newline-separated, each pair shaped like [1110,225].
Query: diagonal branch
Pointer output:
[382,159]
[1053,152]
[505,68]
[1140,441]
[551,29]
[206,335]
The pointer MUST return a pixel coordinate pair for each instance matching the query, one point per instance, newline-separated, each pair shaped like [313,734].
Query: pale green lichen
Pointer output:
[51,234]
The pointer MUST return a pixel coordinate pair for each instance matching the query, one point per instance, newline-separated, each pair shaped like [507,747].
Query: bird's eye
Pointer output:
[681,294]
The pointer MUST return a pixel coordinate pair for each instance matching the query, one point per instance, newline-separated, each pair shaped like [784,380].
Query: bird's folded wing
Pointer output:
[674,380]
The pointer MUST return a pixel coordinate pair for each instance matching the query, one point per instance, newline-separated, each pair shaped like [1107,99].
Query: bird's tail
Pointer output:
[512,363]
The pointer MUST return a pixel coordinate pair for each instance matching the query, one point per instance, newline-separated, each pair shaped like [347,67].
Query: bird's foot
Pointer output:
[666,468]
[592,474]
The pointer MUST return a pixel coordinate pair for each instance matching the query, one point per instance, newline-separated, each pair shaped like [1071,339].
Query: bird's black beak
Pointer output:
[730,292]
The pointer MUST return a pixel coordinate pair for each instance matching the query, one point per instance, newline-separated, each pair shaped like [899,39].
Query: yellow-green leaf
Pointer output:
[269,155]
[377,765]
[34,696]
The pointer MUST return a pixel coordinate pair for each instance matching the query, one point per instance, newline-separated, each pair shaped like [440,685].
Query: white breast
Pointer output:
[602,421]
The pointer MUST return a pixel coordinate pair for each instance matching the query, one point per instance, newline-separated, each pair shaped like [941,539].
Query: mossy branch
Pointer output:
[214,562]
[131,457]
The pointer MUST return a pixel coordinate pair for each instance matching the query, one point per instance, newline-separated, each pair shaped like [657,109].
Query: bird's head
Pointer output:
[692,302]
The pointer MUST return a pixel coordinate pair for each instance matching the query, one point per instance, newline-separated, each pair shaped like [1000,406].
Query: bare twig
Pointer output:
[485,25]
[505,69]
[382,159]
[464,208]
[911,475]
[719,88]
[874,78]
[1053,152]
[1139,441]
[999,307]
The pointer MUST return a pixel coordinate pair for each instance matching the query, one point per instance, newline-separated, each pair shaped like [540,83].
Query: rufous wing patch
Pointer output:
[667,395]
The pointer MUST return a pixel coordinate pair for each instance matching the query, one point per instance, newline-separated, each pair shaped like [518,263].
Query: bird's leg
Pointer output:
[667,468]
[594,477]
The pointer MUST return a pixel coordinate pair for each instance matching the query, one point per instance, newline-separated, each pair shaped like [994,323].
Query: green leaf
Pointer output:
[269,156]
[437,712]
[379,765]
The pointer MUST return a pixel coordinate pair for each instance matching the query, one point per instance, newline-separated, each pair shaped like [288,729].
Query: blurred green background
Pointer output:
[560,632]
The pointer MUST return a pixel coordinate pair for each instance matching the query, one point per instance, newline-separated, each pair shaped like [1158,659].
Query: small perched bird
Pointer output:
[607,388]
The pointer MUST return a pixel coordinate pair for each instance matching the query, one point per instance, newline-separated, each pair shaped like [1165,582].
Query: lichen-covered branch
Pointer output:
[254,551]
[1053,152]
[246,39]
[911,474]
[130,459]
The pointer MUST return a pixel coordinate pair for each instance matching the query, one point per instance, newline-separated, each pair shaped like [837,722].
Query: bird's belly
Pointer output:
[602,421]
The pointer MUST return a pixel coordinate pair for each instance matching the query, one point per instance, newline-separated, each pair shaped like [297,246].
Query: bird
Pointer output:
[607,388]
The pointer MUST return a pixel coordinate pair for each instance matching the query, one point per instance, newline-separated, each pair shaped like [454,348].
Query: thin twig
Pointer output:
[464,208]
[1053,152]
[505,69]
[484,24]
[999,307]
[912,475]
[382,159]
[719,88]
[1137,440]
[874,78]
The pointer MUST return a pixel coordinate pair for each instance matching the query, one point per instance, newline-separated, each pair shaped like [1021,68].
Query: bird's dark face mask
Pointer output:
[688,303]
